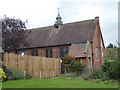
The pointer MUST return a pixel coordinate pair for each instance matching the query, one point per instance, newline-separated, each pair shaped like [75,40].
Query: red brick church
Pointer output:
[82,39]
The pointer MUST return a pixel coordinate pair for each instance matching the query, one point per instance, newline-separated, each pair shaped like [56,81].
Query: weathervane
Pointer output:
[58,10]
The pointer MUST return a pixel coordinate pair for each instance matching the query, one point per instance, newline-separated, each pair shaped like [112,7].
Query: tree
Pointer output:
[111,54]
[13,34]
[111,46]
[111,67]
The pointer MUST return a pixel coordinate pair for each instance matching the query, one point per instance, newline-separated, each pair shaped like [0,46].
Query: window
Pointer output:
[34,52]
[96,52]
[63,52]
[49,53]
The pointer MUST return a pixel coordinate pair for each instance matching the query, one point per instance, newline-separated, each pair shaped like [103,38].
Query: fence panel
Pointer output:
[40,67]
[36,67]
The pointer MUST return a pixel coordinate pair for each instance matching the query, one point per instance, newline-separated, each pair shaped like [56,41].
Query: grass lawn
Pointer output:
[54,83]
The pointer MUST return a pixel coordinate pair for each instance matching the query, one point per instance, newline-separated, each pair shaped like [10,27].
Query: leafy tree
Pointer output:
[111,46]
[111,67]
[13,34]
[111,54]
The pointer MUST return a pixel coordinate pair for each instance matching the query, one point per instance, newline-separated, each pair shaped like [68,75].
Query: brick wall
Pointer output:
[42,51]
[97,44]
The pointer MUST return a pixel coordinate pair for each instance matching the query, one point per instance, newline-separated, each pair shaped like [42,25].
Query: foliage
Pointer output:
[112,69]
[67,59]
[13,33]
[2,74]
[112,54]
[70,64]
[111,46]
[28,75]
[76,66]
[94,74]
[66,62]
[15,75]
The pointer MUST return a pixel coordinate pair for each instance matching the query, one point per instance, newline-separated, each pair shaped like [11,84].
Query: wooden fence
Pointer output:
[40,67]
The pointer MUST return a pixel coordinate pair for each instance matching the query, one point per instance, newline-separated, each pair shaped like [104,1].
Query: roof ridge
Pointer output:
[63,24]
[80,21]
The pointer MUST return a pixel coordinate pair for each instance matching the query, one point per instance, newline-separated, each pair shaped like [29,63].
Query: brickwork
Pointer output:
[97,44]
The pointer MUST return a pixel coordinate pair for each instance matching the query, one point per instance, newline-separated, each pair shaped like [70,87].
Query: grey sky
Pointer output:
[41,13]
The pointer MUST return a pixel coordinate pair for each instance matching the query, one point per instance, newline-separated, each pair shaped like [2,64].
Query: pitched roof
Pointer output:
[76,32]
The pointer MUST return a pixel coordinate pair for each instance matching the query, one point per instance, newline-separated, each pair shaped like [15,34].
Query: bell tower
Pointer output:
[58,22]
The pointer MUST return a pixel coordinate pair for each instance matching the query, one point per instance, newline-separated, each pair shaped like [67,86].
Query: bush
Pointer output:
[15,74]
[94,74]
[71,65]
[76,66]
[2,75]
[111,69]
[28,75]
[12,74]
[66,62]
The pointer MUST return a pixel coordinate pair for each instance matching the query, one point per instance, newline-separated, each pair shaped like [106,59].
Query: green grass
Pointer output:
[54,83]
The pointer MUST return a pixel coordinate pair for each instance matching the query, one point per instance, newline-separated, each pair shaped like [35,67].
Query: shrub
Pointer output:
[2,75]
[94,74]
[15,74]
[66,62]
[85,77]
[76,66]
[28,75]
[111,69]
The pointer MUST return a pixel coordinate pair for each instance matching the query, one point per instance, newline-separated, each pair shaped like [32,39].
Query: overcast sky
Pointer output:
[41,13]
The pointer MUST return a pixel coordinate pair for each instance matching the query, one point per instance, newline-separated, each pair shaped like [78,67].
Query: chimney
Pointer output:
[97,19]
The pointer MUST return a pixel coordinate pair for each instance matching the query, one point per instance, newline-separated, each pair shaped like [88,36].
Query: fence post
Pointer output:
[24,74]
[36,74]
[40,75]
[53,74]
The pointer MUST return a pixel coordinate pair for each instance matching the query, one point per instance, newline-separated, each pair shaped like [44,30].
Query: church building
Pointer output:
[81,39]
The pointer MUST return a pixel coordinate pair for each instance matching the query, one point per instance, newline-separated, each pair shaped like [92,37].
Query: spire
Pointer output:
[58,17]
[58,22]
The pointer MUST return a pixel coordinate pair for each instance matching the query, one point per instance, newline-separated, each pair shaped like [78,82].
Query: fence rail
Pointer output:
[40,67]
